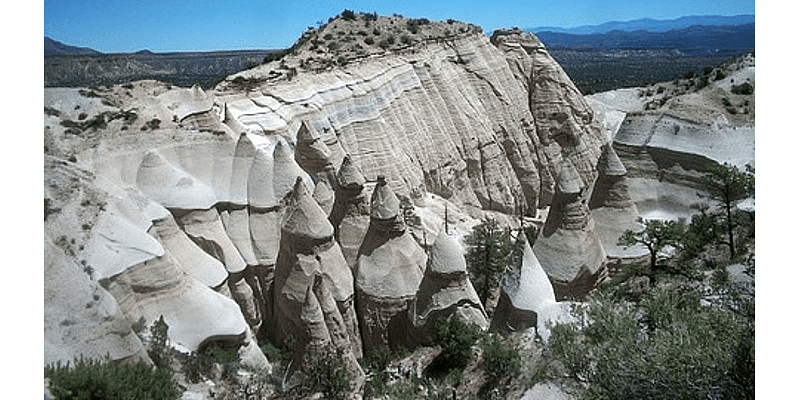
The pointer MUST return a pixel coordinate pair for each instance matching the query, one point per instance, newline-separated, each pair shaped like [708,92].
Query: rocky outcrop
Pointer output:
[527,298]
[445,291]
[668,133]
[568,246]
[524,289]
[562,119]
[390,268]
[311,152]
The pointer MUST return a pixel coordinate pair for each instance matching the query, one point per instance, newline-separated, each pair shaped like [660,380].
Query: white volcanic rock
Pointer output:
[118,243]
[350,212]
[76,308]
[666,135]
[186,102]
[205,228]
[324,196]
[159,287]
[526,283]
[311,153]
[456,120]
[236,221]
[562,119]
[307,249]
[527,298]
[453,120]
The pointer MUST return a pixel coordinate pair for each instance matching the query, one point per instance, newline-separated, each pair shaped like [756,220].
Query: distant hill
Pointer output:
[695,38]
[56,48]
[651,25]
[179,68]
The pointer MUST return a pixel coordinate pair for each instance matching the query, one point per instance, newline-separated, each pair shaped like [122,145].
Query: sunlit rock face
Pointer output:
[525,289]
[482,123]
[561,119]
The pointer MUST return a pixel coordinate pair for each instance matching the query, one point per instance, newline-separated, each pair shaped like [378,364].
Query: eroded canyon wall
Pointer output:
[198,187]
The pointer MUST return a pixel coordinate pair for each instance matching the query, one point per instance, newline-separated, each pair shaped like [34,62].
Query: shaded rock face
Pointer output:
[445,291]
[390,268]
[311,153]
[568,246]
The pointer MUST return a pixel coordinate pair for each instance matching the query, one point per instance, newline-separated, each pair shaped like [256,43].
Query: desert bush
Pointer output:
[348,15]
[744,88]
[326,374]
[500,362]
[456,338]
[88,379]
[670,345]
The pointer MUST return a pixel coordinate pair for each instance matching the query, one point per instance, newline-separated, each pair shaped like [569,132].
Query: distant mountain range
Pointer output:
[651,25]
[695,38]
[56,48]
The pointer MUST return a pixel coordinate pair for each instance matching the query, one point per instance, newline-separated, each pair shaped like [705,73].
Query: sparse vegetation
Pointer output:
[745,88]
[87,379]
[157,348]
[671,344]
[325,373]
[499,362]
[456,338]
[487,250]
[727,185]
[655,236]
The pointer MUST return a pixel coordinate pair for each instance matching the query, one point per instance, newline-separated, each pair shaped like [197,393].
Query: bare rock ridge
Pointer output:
[272,208]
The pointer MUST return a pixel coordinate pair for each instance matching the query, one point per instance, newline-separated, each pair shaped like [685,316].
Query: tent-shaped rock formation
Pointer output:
[525,289]
[308,249]
[568,247]
[445,291]
[350,213]
[390,268]
[612,207]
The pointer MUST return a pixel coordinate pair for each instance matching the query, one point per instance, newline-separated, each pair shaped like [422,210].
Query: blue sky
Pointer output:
[202,25]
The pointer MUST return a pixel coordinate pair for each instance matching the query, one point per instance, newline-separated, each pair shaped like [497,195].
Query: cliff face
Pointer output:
[198,212]
[482,125]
